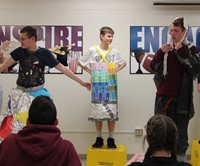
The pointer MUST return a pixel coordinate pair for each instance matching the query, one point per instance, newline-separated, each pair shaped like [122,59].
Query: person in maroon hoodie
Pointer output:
[39,143]
[174,96]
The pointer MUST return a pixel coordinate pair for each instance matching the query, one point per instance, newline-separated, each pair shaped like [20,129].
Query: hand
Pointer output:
[178,45]
[165,47]
[138,157]
[87,85]
[198,87]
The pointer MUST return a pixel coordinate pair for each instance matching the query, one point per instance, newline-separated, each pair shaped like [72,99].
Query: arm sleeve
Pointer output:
[182,52]
[158,57]
[86,58]
[119,59]
[49,59]
[15,54]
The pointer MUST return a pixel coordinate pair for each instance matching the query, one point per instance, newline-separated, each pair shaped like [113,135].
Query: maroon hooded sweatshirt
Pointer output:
[38,145]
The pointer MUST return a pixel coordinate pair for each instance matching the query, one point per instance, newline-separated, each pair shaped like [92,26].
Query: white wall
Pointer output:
[136,92]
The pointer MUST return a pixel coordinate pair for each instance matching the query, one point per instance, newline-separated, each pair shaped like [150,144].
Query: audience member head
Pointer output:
[161,134]
[42,111]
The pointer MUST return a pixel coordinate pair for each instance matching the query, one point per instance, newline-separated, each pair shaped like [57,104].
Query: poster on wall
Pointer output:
[146,40]
[65,43]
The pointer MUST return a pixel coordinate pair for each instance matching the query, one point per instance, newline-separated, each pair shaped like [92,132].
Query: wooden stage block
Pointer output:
[106,157]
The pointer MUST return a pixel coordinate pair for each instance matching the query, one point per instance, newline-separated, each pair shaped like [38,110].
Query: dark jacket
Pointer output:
[38,145]
[170,85]
[191,70]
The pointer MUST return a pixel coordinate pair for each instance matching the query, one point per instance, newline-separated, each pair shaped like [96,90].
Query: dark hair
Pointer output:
[30,32]
[42,111]
[179,22]
[105,30]
[161,134]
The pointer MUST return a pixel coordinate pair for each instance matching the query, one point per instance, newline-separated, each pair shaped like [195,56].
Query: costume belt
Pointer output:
[31,88]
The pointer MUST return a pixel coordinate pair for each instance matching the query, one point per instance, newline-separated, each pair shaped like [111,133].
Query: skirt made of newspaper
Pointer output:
[104,92]
[15,117]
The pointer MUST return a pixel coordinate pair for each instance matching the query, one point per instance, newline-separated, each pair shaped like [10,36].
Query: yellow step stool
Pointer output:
[195,154]
[106,157]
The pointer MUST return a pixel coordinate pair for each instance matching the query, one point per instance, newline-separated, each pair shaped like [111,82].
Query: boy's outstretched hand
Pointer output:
[87,85]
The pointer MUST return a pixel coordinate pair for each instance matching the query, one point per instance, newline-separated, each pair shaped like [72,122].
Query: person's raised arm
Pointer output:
[9,62]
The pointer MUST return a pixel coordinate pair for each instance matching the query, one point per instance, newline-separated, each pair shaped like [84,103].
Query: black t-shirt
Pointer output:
[160,161]
[32,65]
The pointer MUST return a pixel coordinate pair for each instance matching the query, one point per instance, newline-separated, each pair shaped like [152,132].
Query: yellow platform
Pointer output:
[195,154]
[106,157]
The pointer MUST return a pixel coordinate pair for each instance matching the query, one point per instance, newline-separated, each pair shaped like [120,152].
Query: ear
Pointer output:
[101,36]
[33,38]
[56,122]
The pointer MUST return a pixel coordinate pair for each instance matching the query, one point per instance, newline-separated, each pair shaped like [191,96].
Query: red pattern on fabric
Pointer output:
[6,127]
[168,102]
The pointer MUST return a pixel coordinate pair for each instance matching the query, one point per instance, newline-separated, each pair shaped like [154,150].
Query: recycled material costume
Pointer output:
[30,83]
[103,64]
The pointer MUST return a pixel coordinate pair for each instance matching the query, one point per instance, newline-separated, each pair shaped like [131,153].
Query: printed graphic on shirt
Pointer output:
[104,56]
[104,83]
[30,72]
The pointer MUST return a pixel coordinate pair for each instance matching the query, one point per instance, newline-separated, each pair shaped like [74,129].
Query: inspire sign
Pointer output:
[48,36]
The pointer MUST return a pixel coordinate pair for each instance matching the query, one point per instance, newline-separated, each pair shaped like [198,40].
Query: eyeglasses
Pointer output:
[22,39]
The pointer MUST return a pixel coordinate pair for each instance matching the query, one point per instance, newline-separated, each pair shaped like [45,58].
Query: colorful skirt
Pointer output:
[15,117]
[104,92]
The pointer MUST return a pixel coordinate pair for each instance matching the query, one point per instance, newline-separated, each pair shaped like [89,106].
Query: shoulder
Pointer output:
[68,145]
[67,142]
[190,44]
[91,51]
[192,47]
[115,51]
[17,50]
[93,48]
[9,139]
[44,50]
[45,53]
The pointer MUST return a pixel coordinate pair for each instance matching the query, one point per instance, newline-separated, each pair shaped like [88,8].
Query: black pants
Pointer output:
[167,105]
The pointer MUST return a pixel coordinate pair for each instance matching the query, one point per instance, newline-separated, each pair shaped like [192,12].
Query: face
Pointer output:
[176,33]
[25,40]
[107,38]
